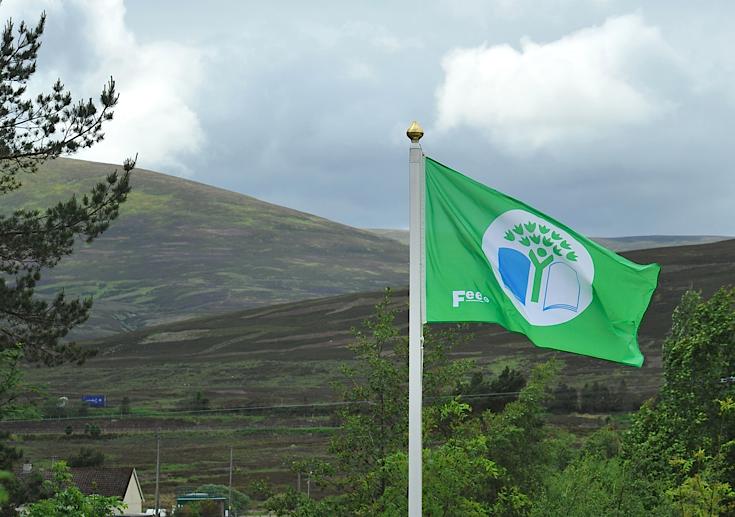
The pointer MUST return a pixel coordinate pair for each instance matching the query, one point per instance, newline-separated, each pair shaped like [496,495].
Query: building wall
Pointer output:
[132,498]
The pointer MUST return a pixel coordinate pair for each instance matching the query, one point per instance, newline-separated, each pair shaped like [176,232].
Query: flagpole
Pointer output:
[415,318]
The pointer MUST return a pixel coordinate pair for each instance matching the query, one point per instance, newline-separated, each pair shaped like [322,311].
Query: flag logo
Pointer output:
[545,272]
[542,279]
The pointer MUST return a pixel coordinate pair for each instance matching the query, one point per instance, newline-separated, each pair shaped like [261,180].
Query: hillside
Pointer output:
[181,249]
[639,242]
[268,374]
[304,340]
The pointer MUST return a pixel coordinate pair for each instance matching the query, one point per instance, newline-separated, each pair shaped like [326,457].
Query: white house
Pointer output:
[112,482]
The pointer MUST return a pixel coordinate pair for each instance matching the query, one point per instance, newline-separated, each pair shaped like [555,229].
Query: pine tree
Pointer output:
[35,129]
[564,399]
[125,406]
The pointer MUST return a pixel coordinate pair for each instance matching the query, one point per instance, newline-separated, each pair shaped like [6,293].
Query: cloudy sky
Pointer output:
[615,117]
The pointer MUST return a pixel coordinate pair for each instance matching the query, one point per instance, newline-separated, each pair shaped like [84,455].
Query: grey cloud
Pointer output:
[304,104]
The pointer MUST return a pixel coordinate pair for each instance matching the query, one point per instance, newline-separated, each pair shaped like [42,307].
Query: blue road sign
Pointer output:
[94,400]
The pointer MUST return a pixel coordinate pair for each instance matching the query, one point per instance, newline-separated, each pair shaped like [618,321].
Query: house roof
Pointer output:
[106,481]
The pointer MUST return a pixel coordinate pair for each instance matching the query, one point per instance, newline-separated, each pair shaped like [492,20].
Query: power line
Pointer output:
[644,389]
[183,412]
[188,412]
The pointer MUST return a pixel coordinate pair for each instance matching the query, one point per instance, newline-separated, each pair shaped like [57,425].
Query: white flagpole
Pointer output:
[415,318]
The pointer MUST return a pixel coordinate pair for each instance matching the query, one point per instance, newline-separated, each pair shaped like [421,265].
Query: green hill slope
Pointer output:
[182,249]
[289,351]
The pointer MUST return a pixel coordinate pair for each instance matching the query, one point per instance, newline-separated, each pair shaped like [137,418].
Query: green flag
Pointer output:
[491,258]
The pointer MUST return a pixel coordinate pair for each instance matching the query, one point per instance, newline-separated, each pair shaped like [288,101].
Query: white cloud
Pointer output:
[158,81]
[575,88]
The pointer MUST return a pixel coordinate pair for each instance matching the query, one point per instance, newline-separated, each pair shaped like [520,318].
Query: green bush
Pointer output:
[87,457]
[240,501]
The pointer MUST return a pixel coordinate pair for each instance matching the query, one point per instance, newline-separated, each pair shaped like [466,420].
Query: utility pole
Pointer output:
[158,469]
[229,490]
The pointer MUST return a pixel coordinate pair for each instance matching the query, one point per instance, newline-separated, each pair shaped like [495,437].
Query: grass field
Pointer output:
[193,451]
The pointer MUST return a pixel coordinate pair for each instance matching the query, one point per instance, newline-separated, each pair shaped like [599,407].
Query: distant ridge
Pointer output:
[637,242]
[399,235]
[645,242]
[182,249]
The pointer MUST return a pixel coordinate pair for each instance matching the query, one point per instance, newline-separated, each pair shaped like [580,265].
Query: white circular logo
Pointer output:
[543,270]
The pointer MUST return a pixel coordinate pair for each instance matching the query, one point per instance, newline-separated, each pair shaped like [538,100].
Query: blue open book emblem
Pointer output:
[514,268]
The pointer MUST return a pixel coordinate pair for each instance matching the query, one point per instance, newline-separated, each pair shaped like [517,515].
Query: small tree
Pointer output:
[375,422]
[483,394]
[20,489]
[240,501]
[87,457]
[92,430]
[457,475]
[564,399]
[594,485]
[8,455]
[81,408]
[507,386]
[260,489]
[701,493]
[12,387]
[693,418]
[482,466]
[472,392]
[195,402]
[4,477]
[595,398]
[620,398]
[55,407]
[517,438]
[125,406]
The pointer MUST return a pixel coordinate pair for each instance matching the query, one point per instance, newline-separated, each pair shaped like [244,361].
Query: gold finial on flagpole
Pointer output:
[415,132]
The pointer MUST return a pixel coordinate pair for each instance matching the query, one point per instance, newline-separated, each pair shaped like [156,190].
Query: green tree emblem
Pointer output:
[543,245]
